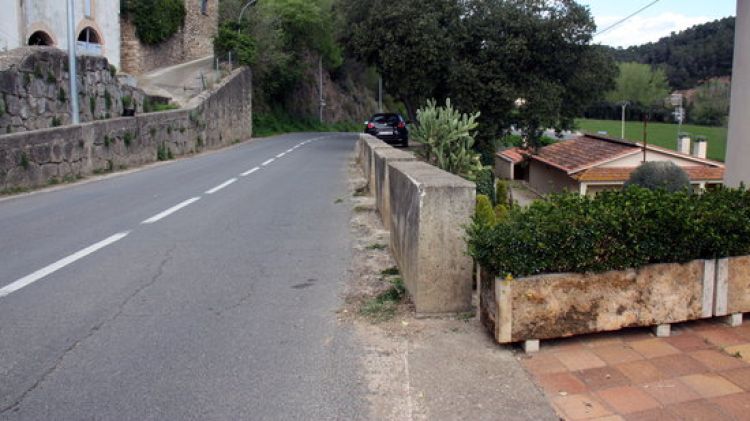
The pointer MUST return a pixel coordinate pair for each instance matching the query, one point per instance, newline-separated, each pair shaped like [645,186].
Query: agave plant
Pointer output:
[448,139]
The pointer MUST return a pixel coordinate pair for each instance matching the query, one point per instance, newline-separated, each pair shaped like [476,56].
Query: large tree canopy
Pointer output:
[640,84]
[486,55]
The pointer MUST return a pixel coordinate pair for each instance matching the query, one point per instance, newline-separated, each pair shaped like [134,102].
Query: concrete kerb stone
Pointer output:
[382,158]
[429,209]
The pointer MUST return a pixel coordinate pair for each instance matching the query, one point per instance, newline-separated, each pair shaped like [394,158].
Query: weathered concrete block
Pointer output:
[567,304]
[382,158]
[733,286]
[369,144]
[429,210]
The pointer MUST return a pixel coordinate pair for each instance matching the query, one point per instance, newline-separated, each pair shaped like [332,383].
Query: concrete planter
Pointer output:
[561,305]
[732,286]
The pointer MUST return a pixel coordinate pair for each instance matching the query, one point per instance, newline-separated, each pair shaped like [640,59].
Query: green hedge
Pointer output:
[155,20]
[613,231]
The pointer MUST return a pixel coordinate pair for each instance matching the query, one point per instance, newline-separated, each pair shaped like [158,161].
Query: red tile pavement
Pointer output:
[633,375]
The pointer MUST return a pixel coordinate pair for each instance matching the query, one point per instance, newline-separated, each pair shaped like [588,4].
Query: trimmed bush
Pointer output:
[501,192]
[614,231]
[660,175]
[485,184]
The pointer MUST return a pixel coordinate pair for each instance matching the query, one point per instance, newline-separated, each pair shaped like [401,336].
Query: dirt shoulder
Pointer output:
[419,369]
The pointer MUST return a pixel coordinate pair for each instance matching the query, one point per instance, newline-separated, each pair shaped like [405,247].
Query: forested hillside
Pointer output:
[689,57]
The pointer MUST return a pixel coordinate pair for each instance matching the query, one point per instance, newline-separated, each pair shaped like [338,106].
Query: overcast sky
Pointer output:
[658,21]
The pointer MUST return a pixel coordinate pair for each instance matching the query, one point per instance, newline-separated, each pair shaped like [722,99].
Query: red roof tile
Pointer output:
[581,152]
[514,155]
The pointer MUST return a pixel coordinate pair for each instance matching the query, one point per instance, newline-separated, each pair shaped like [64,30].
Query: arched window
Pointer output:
[40,38]
[89,41]
[89,36]
[204,7]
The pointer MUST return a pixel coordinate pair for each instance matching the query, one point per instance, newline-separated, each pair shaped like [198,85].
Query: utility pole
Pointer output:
[624,105]
[645,135]
[380,94]
[74,114]
[320,87]
[242,12]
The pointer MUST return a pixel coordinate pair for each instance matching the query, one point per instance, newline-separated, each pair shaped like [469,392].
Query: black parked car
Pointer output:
[388,127]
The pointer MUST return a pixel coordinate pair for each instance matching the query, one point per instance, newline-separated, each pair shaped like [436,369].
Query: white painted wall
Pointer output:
[9,36]
[738,146]
[28,16]
[636,160]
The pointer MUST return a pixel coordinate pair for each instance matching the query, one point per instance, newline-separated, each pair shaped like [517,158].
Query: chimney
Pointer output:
[700,147]
[683,144]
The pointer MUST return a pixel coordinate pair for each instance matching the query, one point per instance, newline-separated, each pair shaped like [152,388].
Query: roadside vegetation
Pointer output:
[270,124]
[614,230]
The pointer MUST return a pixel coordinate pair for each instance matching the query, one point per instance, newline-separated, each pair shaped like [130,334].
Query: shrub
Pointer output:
[155,21]
[484,215]
[61,96]
[485,185]
[448,138]
[241,45]
[107,100]
[2,107]
[660,175]
[501,192]
[92,105]
[127,101]
[128,139]
[112,70]
[614,231]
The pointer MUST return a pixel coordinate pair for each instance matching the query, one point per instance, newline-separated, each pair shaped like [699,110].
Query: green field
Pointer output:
[661,134]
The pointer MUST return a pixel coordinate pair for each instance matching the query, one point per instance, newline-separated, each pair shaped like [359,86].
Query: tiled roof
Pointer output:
[514,155]
[576,154]
[696,173]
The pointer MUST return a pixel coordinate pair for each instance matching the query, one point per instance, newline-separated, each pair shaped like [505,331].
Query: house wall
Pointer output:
[636,160]
[738,145]
[546,179]
[9,37]
[51,16]
[503,169]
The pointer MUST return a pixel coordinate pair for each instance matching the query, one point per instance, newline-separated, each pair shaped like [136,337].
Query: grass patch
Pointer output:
[362,208]
[159,107]
[278,122]
[383,307]
[361,191]
[661,134]
[339,200]
[390,271]
[14,190]
[376,246]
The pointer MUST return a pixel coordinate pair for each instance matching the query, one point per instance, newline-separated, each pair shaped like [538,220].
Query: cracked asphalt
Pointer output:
[224,309]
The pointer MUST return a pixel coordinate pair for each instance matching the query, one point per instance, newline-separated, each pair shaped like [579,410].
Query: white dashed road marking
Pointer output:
[268,162]
[54,267]
[221,186]
[281,155]
[246,173]
[170,211]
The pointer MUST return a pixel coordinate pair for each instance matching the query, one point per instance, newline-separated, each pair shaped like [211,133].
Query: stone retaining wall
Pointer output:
[214,119]
[35,90]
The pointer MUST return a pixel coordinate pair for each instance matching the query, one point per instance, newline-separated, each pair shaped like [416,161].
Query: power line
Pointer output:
[623,20]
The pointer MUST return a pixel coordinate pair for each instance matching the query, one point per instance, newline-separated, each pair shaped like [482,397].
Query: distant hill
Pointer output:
[695,54]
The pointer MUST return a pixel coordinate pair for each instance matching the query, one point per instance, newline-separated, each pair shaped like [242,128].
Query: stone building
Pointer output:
[193,41]
[44,22]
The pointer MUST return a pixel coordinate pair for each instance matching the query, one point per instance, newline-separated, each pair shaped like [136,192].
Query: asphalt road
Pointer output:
[199,289]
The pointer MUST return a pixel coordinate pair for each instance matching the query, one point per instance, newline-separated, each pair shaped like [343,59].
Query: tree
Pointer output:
[711,103]
[485,54]
[640,84]
[655,175]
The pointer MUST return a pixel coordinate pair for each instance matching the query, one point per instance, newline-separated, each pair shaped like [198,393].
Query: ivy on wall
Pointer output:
[154,20]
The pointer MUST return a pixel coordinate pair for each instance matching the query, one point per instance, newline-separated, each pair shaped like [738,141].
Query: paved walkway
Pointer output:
[701,372]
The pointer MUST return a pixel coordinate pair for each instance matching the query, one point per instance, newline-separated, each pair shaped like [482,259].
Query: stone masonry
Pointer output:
[193,41]
[35,90]
[215,118]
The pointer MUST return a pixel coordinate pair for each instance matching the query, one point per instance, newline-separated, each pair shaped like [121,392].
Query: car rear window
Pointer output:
[385,118]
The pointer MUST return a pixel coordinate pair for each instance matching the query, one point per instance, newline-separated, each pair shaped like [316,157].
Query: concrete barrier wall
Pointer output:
[429,211]
[383,157]
[368,145]
[214,119]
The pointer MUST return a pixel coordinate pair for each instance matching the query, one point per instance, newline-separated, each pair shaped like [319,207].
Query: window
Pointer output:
[204,7]
[40,38]
[89,36]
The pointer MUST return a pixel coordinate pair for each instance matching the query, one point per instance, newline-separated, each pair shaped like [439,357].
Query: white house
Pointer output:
[44,22]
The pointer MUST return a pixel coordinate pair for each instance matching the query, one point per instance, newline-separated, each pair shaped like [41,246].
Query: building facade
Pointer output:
[44,22]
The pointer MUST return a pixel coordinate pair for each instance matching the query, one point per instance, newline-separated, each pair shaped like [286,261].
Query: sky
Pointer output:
[658,21]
